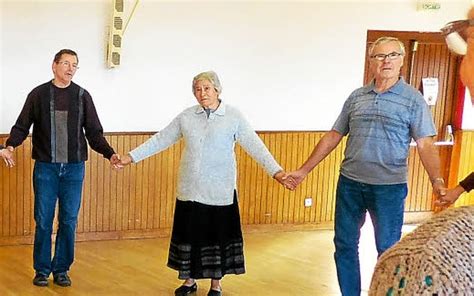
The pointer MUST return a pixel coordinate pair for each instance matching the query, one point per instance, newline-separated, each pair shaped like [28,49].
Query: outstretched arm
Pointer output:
[430,159]
[157,143]
[327,144]
[254,146]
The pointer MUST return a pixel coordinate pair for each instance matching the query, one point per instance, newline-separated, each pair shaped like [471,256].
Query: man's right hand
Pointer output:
[115,161]
[439,189]
[7,155]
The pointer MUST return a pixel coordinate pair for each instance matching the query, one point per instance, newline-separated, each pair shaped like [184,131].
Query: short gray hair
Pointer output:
[210,76]
[386,39]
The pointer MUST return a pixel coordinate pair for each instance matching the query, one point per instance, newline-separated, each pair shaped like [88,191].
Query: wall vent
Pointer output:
[114,45]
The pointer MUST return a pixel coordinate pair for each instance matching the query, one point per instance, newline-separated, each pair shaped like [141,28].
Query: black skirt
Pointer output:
[206,241]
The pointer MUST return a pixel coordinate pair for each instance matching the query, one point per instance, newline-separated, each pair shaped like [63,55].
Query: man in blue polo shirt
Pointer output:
[380,120]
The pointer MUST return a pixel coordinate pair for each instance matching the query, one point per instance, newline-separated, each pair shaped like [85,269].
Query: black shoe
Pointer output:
[40,280]
[186,290]
[214,292]
[62,279]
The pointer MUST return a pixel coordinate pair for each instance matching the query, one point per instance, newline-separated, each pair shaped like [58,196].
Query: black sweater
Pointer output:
[81,122]
[468,182]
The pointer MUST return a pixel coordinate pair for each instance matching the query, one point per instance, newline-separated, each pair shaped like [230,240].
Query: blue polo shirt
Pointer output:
[379,128]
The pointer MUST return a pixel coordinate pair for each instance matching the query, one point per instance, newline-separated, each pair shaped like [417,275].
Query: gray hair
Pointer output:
[210,76]
[383,40]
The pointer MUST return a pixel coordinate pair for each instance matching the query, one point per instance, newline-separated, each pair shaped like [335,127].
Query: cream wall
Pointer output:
[287,65]
[468,114]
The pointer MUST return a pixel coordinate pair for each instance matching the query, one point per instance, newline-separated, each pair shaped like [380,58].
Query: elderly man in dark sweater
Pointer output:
[63,117]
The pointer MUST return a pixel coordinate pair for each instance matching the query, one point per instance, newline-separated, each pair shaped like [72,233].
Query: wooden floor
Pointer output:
[277,263]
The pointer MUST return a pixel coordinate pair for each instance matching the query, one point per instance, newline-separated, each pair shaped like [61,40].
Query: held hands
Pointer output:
[438,187]
[293,179]
[115,161]
[450,196]
[289,180]
[440,190]
[7,155]
[118,161]
[282,178]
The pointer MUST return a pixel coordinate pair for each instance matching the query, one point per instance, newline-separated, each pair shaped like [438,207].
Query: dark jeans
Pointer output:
[53,182]
[385,204]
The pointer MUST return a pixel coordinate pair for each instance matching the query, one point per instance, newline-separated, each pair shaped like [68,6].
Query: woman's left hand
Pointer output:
[286,181]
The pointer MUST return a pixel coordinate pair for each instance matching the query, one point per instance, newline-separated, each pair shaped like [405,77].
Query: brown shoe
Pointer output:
[62,279]
[40,280]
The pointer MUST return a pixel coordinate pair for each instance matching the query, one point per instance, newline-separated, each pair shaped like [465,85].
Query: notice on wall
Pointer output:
[430,90]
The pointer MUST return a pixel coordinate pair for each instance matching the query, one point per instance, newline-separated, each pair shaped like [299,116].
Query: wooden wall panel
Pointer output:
[466,166]
[139,200]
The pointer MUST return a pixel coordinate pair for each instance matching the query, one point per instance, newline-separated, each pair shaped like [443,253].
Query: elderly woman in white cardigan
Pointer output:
[206,240]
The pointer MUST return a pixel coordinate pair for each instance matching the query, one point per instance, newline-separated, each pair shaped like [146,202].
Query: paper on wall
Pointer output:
[430,90]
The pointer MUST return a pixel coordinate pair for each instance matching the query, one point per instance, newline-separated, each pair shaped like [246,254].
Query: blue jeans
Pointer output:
[53,182]
[385,204]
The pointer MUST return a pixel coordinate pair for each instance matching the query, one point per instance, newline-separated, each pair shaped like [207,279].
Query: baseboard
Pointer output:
[410,218]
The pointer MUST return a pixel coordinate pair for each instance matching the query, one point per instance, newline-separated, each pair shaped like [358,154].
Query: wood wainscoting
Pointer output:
[138,202]
[466,164]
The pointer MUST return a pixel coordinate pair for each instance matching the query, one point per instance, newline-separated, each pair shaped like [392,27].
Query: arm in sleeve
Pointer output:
[93,129]
[254,146]
[21,129]
[421,121]
[341,125]
[468,182]
[158,142]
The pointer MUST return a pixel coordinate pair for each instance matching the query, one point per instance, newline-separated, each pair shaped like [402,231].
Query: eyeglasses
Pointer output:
[382,57]
[67,64]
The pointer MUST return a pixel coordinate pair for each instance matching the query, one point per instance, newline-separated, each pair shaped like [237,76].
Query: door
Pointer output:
[427,56]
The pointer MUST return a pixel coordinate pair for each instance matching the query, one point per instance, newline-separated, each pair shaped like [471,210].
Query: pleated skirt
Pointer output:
[206,241]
